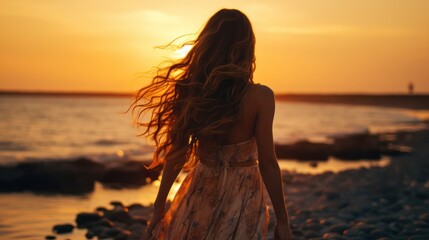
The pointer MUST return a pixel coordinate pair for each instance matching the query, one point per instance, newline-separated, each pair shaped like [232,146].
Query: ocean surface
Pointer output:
[62,127]
[57,127]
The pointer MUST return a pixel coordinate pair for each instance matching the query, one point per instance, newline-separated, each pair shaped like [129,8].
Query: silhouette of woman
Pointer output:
[209,117]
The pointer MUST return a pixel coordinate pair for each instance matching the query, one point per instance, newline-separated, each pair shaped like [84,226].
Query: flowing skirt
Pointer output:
[209,205]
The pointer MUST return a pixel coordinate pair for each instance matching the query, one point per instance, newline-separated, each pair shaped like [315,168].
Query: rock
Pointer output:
[68,177]
[419,237]
[101,209]
[424,217]
[118,216]
[395,227]
[88,164]
[139,219]
[303,150]
[104,222]
[395,150]
[123,235]
[357,146]
[420,224]
[330,221]
[311,234]
[330,235]
[63,228]
[379,233]
[83,219]
[313,227]
[332,195]
[90,235]
[346,216]
[116,204]
[135,206]
[129,174]
[136,227]
[101,231]
[338,228]
[352,232]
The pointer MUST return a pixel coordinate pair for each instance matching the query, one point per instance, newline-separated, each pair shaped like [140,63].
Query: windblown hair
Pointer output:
[198,96]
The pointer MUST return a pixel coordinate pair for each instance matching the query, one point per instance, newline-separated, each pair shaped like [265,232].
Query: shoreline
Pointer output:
[367,203]
[79,175]
[349,200]
[417,101]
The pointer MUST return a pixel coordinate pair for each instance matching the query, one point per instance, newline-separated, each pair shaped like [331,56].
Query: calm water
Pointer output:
[52,127]
[47,127]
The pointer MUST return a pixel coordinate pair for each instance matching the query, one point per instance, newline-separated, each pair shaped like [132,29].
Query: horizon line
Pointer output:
[129,94]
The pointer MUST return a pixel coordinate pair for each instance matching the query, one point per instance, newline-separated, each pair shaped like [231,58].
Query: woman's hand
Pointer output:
[158,214]
[282,232]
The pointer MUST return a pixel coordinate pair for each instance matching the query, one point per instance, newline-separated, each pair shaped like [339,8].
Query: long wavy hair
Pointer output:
[198,96]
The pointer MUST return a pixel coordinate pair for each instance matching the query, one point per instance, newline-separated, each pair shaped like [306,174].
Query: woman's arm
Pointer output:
[268,164]
[169,174]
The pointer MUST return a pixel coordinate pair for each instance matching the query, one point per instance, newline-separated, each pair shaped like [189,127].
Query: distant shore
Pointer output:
[416,101]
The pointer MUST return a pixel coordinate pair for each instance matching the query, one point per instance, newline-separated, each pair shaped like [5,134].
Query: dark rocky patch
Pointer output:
[69,177]
[72,176]
[63,228]
[348,148]
[304,150]
[129,174]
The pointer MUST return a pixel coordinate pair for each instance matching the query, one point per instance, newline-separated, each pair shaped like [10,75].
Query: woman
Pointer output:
[208,116]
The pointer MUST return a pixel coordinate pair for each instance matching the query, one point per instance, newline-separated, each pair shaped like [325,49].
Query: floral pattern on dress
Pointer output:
[207,206]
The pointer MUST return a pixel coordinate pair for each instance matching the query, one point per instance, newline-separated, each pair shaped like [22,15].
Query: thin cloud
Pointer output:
[337,30]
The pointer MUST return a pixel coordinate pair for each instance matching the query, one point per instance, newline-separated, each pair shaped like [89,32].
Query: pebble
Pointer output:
[419,237]
[379,233]
[82,219]
[63,228]
[116,204]
[117,216]
[338,228]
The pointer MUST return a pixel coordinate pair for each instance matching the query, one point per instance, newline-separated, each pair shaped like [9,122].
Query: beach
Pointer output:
[361,175]
[338,91]
[368,203]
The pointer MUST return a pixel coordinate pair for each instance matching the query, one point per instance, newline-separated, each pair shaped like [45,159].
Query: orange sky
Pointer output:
[331,46]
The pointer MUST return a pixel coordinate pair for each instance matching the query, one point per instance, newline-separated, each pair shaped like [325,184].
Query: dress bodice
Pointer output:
[242,152]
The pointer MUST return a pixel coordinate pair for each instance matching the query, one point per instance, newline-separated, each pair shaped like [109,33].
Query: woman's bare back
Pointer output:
[244,127]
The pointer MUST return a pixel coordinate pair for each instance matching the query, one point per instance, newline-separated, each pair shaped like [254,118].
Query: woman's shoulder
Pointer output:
[259,98]
[261,92]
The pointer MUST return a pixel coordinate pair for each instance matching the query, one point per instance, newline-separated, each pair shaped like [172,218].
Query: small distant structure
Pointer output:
[410,88]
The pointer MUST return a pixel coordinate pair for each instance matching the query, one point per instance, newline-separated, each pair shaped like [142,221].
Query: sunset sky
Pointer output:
[302,46]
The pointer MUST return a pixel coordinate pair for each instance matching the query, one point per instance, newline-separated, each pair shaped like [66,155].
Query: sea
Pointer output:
[58,127]
[45,127]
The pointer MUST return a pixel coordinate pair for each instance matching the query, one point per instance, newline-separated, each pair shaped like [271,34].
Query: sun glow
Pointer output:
[182,52]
